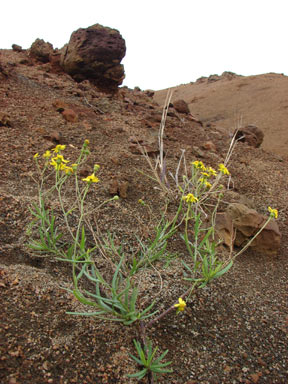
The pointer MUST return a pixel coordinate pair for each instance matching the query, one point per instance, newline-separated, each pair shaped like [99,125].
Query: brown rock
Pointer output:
[41,50]
[60,105]
[251,135]
[209,146]
[16,48]
[54,137]
[70,115]
[95,53]
[247,222]
[54,59]
[113,188]
[120,189]
[123,188]
[181,106]
[4,120]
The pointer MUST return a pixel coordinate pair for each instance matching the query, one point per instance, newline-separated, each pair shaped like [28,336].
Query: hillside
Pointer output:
[233,331]
[230,100]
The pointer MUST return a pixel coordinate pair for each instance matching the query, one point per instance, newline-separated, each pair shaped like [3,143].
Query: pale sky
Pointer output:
[168,42]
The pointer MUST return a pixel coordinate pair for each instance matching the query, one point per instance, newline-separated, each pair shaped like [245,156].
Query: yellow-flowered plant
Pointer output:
[180,306]
[116,297]
[55,162]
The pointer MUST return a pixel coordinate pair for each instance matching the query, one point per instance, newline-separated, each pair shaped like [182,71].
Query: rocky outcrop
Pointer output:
[94,54]
[239,224]
[41,51]
[251,135]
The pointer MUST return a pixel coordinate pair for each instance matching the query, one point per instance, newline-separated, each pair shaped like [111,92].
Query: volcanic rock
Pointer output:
[251,135]
[41,51]
[16,48]
[181,106]
[94,54]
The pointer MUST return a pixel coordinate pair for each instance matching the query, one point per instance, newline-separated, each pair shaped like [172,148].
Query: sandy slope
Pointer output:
[261,100]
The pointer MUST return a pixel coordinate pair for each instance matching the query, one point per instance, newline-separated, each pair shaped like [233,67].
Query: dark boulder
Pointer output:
[94,54]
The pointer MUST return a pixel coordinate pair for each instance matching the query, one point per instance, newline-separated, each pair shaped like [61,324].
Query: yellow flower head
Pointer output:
[211,171]
[180,306]
[205,174]
[199,165]
[223,169]
[74,166]
[47,155]
[86,142]
[68,170]
[96,168]
[140,201]
[91,179]
[273,212]
[36,155]
[58,162]
[59,148]
[190,198]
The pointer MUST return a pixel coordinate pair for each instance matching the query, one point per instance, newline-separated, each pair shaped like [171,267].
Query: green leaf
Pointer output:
[139,375]
[136,359]
[224,270]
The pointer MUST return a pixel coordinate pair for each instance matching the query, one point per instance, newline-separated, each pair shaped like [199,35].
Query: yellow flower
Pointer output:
[205,174]
[180,306]
[60,158]
[199,165]
[273,212]
[47,155]
[58,162]
[207,184]
[140,201]
[223,169]
[96,167]
[67,170]
[59,148]
[36,155]
[91,179]
[74,166]
[86,142]
[190,198]
[211,171]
